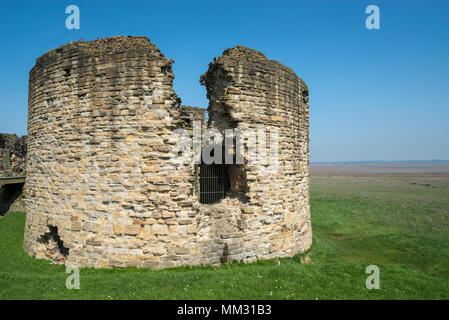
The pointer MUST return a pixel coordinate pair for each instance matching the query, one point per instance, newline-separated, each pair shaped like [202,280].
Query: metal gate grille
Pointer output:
[214,182]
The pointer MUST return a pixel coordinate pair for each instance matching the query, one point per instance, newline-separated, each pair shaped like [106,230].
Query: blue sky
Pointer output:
[374,94]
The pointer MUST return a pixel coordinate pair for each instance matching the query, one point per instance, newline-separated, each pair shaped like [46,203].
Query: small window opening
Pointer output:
[305,96]
[67,71]
[218,181]
[214,182]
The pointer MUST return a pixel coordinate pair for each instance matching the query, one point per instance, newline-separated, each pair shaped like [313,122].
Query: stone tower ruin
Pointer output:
[102,188]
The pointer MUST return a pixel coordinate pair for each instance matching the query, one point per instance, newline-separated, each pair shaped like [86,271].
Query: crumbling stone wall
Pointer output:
[101,184]
[12,164]
[248,92]
[12,155]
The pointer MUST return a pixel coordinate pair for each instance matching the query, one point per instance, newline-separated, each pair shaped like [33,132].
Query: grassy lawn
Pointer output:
[399,223]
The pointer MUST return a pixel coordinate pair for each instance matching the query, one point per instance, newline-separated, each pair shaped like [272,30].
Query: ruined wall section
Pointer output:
[12,155]
[101,116]
[247,91]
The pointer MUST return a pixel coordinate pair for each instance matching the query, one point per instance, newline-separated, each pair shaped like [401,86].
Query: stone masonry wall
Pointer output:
[247,92]
[102,189]
[12,155]
[12,164]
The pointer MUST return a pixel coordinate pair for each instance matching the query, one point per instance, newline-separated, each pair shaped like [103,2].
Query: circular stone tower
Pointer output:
[102,187]
[267,103]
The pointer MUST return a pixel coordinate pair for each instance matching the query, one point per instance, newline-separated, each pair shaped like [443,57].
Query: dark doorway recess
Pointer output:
[214,182]
[8,194]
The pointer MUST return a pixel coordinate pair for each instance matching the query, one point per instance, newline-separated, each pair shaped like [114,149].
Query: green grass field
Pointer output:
[399,223]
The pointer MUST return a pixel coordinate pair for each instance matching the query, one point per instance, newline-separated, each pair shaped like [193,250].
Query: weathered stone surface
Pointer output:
[12,155]
[248,91]
[101,115]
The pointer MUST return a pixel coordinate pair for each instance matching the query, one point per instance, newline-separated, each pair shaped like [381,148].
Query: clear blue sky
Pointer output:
[374,94]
